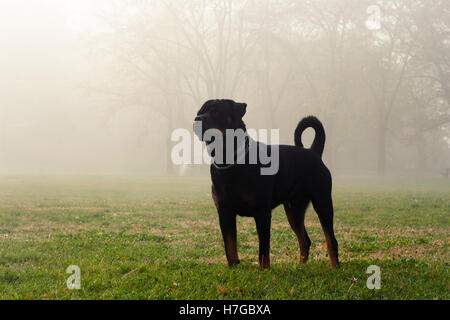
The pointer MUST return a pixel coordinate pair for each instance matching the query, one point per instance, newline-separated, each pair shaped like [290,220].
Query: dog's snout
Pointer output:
[201,117]
[198,124]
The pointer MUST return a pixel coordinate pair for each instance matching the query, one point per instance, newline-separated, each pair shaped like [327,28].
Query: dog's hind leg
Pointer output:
[295,212]
[323,205]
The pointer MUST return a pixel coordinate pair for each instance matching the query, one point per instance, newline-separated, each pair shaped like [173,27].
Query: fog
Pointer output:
[98,86]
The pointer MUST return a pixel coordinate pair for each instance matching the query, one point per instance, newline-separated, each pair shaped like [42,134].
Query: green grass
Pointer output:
[158,238]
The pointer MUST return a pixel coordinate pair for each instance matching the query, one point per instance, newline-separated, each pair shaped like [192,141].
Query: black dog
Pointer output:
[240,189]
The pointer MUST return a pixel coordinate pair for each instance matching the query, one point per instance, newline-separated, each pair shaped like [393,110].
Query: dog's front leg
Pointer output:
[228,227]
[263,227]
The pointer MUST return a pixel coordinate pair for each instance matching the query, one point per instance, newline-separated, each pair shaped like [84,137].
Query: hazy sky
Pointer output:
[50,123]
[44,116]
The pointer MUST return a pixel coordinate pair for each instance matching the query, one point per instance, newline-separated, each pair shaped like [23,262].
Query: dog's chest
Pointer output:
[240,198]
[243,190]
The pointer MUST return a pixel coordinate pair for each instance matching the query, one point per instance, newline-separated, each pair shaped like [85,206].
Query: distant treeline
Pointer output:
[377,73]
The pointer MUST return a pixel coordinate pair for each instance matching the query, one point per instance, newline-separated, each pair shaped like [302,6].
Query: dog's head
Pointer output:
[220,115]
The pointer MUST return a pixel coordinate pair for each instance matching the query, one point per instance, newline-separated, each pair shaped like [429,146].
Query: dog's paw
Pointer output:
[233,262]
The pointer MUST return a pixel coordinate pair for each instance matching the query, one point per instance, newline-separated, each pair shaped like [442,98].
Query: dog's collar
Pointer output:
[241,153]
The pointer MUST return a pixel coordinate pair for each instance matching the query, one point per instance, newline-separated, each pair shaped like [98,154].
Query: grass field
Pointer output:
[159,238]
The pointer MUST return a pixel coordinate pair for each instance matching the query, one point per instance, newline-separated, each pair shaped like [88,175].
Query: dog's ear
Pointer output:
[240,109]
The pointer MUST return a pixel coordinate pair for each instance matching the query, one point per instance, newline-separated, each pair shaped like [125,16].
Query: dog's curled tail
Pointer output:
[319,141]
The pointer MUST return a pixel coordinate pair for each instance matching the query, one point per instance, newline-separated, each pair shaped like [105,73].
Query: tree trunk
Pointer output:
[169,164]
[421,153]
[381,164]
[330,146]
[170,168]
